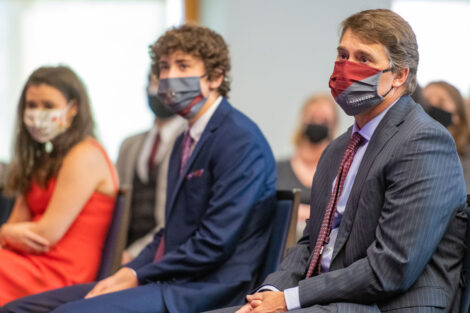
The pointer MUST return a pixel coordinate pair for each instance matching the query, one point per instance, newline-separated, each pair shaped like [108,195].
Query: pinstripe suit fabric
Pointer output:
[401,240]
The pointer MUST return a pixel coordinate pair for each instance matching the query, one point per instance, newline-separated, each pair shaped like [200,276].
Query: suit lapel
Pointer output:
[173,173]
[322,184]
[386,129]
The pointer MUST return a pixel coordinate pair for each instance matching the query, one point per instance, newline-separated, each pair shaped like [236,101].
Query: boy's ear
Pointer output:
[215,79]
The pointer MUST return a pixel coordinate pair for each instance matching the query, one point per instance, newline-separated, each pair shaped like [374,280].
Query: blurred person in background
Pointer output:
[317,125]
[65,188]
[418,97]
[3,172]
[143,163]
[447,106]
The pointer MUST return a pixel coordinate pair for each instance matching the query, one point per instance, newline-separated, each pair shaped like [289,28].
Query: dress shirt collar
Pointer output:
[368,130]
[198,127]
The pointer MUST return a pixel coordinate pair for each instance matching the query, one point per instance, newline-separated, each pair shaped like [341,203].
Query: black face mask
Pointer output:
[442,116]
[316,132]
[158,108]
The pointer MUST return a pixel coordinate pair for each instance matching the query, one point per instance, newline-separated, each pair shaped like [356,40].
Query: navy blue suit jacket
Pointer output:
[217,217]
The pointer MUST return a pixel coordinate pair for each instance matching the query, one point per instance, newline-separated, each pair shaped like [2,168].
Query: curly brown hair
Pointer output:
[200,42]
[30,160]
[394,33]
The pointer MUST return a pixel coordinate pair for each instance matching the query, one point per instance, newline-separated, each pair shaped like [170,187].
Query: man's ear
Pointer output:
[400,78]
[216,79]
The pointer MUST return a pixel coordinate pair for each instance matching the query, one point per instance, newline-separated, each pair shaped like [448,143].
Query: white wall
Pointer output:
[105,42]
[443,45]
[282,51]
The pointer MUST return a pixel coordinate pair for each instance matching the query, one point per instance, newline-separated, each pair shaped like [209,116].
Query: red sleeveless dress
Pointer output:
[74,259]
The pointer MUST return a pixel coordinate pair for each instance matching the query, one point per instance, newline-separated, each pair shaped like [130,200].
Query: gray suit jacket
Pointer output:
[401,240]
[129,153]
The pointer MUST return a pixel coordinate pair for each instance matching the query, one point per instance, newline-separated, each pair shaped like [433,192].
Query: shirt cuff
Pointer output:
[291,295]
[266,288]
[133,271]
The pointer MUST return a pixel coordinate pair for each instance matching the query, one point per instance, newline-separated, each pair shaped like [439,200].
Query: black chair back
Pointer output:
[117,233]
[283,230]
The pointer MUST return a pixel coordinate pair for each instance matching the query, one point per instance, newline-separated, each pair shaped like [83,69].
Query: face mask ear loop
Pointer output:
[205,75]
[385,71]
[387,92]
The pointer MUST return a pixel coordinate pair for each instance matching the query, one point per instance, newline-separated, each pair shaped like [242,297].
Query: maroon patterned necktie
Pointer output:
[187,144]
[153,153]
[325,228]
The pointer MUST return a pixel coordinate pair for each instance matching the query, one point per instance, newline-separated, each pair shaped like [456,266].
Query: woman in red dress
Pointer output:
[65,186]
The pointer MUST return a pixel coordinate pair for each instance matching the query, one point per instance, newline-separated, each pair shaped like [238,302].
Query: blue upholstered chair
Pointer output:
[283,234]
[6,205]
[117,234]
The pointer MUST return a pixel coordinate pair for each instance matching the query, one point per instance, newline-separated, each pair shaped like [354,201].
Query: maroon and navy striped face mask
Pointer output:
[182,95]
[354,86]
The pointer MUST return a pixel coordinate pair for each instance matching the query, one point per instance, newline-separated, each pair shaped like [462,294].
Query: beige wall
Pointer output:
[282,51]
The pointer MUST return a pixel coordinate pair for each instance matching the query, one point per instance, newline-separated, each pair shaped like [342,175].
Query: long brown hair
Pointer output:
[30,160]
[461,131]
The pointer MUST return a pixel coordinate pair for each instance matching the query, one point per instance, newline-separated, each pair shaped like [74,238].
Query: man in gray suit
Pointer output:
[387,227]
[143,163]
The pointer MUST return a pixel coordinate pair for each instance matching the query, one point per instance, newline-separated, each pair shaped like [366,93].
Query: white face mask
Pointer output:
[45,124]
